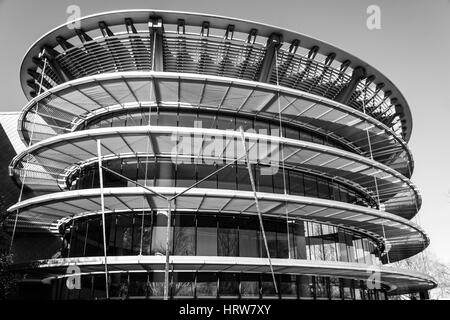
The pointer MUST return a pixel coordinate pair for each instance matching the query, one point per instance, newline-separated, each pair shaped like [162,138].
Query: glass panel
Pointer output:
[184,235]
[228,285]
[138,286]
[206,236]
[93,238]
[248,237]
[306,287]
[268,287]
[119,285]
[206,285]
[167,118]
[185,175]
[249,285]
[300,243]
[228,237]
[183,285]
[159,233]
[156,285]
[124,234]
[335,288]
[321,288]
[296,183]
[288,286]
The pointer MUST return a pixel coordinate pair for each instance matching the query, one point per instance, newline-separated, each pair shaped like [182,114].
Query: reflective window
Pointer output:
[210,120]
[215,235]
[188,285]
[206,285]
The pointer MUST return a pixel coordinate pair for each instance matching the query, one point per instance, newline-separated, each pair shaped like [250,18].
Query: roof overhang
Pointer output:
[404,237]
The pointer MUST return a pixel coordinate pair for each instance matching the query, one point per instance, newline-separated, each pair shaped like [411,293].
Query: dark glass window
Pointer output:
[228,285]
[206,235]
[184,235]
[206,285]
[306,287]
[185,175]
[335,289]
[268,287]
[124,235]
[322,291]
[296,183]
[159,233]
[249,237]
[138,284]
[288,286]
[202,172]
[156,285]
[249,285]
[183,285]
[228,243]
[167,118]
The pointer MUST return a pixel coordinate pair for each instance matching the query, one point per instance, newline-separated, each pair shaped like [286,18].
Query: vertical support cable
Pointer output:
[371,157]
[166,269]
[250,173]
[102,200]
[36,112]
[282,155]
[148,143]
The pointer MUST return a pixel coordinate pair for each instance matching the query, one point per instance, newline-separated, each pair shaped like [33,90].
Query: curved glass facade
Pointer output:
[216,235]
[163,172]
[208,285]
[190,118]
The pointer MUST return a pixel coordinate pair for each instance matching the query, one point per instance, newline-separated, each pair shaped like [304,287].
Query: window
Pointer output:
[310,186]
[138,285]
[124,234]
[165,173]
[206,235]
[228,285]
[335,288]
[183,285]
[299,243]
[249,237]
[202,172]
[249,285]
[228,237]
[159,233]
[184,235]
[156,285]
[322,291]
[306,287]
[268,287]
[296,183]
[288,286]
[206,285]
[167,118]
[185,175]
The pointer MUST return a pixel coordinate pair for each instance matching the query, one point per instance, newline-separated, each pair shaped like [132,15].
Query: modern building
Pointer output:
[165,95]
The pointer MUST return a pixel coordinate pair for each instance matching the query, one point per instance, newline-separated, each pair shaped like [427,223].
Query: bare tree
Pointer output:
[428,263]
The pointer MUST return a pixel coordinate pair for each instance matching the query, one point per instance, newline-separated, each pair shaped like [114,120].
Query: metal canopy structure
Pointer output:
[67,107]
[53,159]
[132,88]
[206,44]
[405,237]
[397,280]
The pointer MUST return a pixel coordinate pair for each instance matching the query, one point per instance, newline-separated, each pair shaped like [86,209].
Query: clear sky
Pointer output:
[412,48]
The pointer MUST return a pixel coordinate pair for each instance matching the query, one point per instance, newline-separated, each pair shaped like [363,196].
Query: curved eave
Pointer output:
[321,159]
[398,281]
[329,117]
[117,17]
[404,237]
